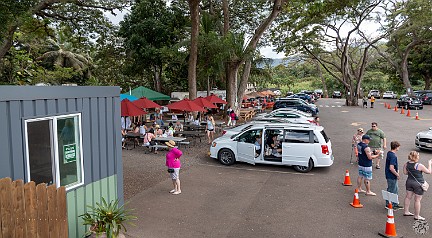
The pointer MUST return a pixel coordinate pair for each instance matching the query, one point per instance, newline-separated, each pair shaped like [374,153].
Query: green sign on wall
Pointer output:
[69,153]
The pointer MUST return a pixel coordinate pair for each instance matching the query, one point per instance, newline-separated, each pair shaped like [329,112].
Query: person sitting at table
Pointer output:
[142,128]
[174,117]
[178,126]
[123,132]
[158,132]
[148,140]
[170,130]
[196,122]
[190,117]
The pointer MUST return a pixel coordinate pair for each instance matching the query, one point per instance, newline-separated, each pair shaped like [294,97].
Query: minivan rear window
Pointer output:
[325,136]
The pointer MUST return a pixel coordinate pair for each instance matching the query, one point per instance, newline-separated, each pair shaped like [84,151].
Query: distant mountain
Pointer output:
[279,61]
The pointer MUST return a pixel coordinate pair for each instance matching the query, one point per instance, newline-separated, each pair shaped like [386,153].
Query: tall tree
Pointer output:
[193,57]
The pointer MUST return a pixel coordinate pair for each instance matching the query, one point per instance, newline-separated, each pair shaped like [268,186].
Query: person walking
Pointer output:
[378,142]
[233,117]
[364,101]
[372,99]
[365,165]
[414,182]
[173,163]
[229,110]
[392,172]
[210,126]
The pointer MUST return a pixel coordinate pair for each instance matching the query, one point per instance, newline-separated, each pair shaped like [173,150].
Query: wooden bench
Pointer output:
[246,114]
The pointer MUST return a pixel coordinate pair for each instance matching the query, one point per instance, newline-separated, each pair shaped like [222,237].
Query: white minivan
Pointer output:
[303,146]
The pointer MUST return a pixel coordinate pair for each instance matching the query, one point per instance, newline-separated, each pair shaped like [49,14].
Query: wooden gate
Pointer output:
[27,210]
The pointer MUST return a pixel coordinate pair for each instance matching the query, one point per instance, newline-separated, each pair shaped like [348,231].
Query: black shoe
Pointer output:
[398,207]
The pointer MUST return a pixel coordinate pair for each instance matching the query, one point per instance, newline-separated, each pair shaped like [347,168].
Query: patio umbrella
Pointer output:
[203,102]
[128,109]
[186,105]
[146,103]
[129,97]
[215,99]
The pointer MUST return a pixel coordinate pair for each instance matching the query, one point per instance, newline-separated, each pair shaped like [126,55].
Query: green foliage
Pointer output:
[107,217]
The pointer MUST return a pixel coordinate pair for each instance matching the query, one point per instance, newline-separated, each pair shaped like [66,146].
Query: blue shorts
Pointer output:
[365,172]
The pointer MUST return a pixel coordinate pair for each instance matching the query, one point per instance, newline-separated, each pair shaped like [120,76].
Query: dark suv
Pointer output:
[296,104]
[409,102]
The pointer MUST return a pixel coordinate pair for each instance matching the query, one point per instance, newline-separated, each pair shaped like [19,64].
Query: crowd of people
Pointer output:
[370,146]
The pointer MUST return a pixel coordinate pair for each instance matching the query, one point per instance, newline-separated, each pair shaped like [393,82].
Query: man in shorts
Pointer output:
[378,142]
[365,157]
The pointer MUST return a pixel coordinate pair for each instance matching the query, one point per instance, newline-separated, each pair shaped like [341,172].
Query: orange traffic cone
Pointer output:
[408,113]
[402,111]
[388,106]
[385,105]
[395,109]
[347,181]
[356,200]
[390,230]
[417,118]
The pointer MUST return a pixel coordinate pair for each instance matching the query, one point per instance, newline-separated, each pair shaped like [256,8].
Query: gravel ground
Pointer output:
[142,170]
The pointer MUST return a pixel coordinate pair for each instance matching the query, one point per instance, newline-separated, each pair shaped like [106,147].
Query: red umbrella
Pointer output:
[203,102]
[145,103]
[128,109]
[186,105]
[215,99]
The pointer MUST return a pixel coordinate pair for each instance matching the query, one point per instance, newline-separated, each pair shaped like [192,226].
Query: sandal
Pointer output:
[408,215]
[419,218]
[371,194]
[377,167]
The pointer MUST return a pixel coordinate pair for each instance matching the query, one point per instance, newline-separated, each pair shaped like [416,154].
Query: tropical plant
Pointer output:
[106,218]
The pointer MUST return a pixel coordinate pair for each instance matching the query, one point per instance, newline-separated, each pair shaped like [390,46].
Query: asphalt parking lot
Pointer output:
[274,201]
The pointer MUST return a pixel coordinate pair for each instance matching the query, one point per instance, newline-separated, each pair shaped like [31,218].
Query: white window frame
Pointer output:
[54,145]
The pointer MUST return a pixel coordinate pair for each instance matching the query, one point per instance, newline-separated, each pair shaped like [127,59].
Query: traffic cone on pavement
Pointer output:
[388,106]
[402,111]
[395,109]
[408,113]
[385,105]
[356,200]
[347,181]
[417,118]
[390,230]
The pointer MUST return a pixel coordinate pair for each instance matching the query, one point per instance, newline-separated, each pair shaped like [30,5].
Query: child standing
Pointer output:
[365,101]
[392,172]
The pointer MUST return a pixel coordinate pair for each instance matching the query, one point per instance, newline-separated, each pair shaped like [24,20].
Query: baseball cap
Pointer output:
[366,137]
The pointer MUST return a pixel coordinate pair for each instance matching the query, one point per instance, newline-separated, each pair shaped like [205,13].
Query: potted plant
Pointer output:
[106,219]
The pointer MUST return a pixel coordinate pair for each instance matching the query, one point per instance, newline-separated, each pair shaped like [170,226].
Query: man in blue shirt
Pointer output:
[392,172]
[365,164]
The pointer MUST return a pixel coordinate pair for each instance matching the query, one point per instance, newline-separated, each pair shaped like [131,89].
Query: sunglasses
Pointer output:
[373,126]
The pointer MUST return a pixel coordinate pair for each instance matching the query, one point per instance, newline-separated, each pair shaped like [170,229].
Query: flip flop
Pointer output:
[420,218]
[408,215]
[371,194]
[362,191]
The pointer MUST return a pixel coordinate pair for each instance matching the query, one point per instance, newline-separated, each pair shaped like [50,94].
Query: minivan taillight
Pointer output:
[325,149]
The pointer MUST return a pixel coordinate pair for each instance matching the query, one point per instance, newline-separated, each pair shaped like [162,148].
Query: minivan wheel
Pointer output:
[304,169]
[226,157]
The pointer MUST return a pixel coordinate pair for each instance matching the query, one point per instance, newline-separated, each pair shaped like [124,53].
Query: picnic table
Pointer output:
[246,114]
[195,127]
[192,134]
[130,136]
[178,140]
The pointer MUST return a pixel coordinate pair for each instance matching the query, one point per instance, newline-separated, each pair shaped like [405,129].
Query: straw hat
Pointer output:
[157,126]
[360,129]
[170,143]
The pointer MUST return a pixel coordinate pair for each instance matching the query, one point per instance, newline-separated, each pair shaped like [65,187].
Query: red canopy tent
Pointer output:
[215,99]
[145,103]
[203,102]
[128,109]
[186,105]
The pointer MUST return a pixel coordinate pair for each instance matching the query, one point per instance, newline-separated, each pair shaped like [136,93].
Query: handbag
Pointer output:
[424,185]
[170,171]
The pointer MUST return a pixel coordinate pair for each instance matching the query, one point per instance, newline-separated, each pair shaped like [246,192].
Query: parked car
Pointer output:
[374,93]
[303,96]
[292,116]
[408,102]
[301,146]
[296,103]
[291,110]
[423,140]
[389,94]
[319,92]
[337,94]
[426,98]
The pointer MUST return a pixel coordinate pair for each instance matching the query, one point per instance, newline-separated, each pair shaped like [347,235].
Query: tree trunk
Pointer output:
[405,77]
[7,41]
[244,80]
[277,8]
[427,78]
[231,75]
[208,85]
[225,10]
[157,78]
[193,58]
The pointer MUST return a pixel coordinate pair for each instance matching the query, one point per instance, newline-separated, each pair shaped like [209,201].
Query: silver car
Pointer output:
[423,140]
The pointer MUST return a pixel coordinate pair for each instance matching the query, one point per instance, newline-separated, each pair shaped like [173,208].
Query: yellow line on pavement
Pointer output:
[258,170]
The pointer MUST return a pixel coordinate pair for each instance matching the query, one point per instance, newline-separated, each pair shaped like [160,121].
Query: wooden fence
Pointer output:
[27,210]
